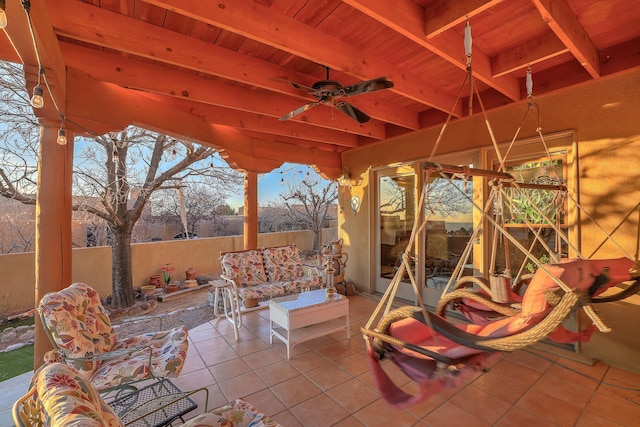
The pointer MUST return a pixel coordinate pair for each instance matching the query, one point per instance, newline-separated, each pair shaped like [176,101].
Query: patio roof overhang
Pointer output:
[212,71]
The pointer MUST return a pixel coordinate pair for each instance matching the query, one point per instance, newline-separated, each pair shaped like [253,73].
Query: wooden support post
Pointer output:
[250,210]
[53,222]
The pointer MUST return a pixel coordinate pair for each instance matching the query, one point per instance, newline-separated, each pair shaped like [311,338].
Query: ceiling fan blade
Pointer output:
[368,86]
[298,110]
[294,84]
[352,112]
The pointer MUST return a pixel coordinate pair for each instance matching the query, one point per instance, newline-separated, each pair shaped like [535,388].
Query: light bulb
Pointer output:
[37,100]
[3,14]
[211,166]
[62,137]
[174,154]
[115,158]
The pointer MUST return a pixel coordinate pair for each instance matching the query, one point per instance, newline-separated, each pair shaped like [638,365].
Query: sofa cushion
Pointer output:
[282,263]
[79,323]
[237,414]
[272,290]
[69,399]
[245,267]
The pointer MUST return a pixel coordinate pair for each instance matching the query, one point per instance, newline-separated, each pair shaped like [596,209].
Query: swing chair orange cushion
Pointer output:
[576,274]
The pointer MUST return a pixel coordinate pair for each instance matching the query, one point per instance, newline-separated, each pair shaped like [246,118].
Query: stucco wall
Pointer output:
[93,265]
[604,115]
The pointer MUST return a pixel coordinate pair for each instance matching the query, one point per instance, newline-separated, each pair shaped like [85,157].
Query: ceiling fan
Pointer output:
[328,92]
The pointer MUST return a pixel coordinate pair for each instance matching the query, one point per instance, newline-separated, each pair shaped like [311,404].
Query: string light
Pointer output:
[174,154]
[115,158]
[62,136]
[37,100]
[3,14]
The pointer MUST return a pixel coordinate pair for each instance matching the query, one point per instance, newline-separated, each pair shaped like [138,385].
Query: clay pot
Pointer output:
[190,273]
[155,280]
[171,288]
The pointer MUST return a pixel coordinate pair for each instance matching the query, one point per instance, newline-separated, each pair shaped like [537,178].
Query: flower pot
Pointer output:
[155,280]
[190,273]
[171,288]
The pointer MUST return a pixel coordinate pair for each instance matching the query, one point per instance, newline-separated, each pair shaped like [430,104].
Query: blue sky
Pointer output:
[270,186]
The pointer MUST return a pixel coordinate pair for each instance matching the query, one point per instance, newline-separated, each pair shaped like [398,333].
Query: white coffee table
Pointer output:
[302,317]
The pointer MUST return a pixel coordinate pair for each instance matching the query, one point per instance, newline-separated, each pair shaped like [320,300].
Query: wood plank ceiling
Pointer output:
[216,71]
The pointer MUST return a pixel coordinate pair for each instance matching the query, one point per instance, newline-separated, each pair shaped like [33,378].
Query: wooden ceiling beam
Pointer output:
[527,54]
[135,108]
[148,77]
[243,120]
[87,23]
[443,15]
[564,23]
[258,22]
[408,18]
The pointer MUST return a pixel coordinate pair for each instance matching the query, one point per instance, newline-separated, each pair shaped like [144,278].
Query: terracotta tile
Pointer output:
[194,380]
[295,390]
[266,402]
[449,415]
[281,349]
[334,351]
[517,417]
[286,419]
[355,364]
[501,387]
[380,414]
[480,404]
[241,386]
[321,411]
[262,358]
[320,342]
[220,355]
[277,373]
[230,369]
[548,408]
[203,333]
[192,363]
[348,422]
[206,346]
[620,377]
[308,361]
[328,376]
[424,408]
[530,360]
[597,371]
[614,404]
[215,399]
[353,395]
[516,372]
[566,386]
[247,347]
[590,419]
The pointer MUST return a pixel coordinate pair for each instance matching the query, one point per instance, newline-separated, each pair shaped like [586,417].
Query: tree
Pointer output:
[114,175]
[307,202]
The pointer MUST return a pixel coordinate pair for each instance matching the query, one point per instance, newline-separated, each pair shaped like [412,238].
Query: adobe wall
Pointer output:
[605,117]
[93,265]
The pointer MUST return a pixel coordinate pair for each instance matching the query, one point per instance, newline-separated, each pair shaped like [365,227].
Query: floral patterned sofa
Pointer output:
[80,330]
[59,396]
[262,274]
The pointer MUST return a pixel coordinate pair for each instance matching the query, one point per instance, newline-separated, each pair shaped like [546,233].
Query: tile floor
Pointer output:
[327,383]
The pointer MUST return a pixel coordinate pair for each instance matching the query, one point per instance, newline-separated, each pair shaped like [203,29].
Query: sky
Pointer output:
[270,184]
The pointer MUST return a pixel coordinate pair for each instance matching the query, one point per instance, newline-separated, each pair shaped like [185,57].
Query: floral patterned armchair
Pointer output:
[81,332]
[59,396]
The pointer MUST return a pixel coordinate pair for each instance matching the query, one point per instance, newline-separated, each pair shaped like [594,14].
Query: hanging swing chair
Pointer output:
[436,353]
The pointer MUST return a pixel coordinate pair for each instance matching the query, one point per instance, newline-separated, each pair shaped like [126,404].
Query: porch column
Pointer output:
[53,222]
[250,210]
